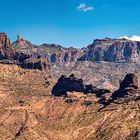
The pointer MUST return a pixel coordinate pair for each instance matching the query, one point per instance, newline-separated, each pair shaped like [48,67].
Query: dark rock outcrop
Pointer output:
[66,84]
[6,50]
[128,87]
[128,91]
[72,84]
[130,81]
[21,57]
[98,92]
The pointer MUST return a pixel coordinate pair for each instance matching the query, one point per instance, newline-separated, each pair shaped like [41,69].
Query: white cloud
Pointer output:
[83,7]
[133,38]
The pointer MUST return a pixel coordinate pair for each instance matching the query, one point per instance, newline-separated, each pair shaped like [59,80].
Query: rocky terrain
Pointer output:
[103,63]
[53,53]
[107,49]
[49,92]
[22,43]
[72,84]
[30,111]
[113,50]
[9,54]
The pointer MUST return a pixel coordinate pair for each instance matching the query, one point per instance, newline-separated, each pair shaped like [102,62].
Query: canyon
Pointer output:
[49,92]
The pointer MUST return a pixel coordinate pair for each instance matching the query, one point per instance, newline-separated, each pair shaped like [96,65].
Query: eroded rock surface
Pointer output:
[128,87]
[112,50]
[6,49]
[130,81]
[9,55]
[72,84]
[28,111]
[66,84]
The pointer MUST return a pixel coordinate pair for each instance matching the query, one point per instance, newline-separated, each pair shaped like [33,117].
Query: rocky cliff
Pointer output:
[6,49]
[112,50]
[31,109]
[9,54]
[21,43]
[107,49]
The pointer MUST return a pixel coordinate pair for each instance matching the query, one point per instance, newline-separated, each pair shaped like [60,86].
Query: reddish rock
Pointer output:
[9,55]
[130,81]
[128,87]
[6,50]
[21,43]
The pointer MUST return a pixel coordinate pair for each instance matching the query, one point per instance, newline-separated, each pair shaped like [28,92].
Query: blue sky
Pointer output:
[69,22]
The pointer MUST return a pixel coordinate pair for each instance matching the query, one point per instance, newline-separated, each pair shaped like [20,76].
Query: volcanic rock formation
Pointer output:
[112,50]
[128,87]
[130,81]
[6,49]
[66,84]
[9,55]
[106,49]
[128,91]
[21,43]
[72,84]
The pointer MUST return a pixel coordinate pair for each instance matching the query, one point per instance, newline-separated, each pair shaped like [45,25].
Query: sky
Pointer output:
[70,22]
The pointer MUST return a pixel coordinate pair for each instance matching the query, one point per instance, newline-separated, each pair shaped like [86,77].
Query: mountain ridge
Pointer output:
[105,49]
[93,103]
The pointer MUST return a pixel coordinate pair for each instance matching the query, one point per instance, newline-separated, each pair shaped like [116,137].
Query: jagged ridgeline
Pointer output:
[104,62]
[8,54]
[50,92]
[107,49]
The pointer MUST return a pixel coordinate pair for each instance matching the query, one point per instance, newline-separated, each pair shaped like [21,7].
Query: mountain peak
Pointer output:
[21,43]
[18,38]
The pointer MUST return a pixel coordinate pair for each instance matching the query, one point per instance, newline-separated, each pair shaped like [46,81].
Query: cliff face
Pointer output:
[112,50]
[9,54]
[6,49]
[61,55]
[107,49]
[29,109]
[53,53]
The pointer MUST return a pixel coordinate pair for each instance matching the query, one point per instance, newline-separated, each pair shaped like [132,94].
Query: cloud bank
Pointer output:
[133,38]
[83,7]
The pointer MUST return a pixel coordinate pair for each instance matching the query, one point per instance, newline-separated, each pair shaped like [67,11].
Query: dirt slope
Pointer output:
[28,111]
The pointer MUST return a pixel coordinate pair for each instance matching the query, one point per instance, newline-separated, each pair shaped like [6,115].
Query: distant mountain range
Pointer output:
[106,49]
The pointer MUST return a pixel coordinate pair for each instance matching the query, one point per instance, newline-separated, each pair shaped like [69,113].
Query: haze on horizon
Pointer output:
[70,22]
